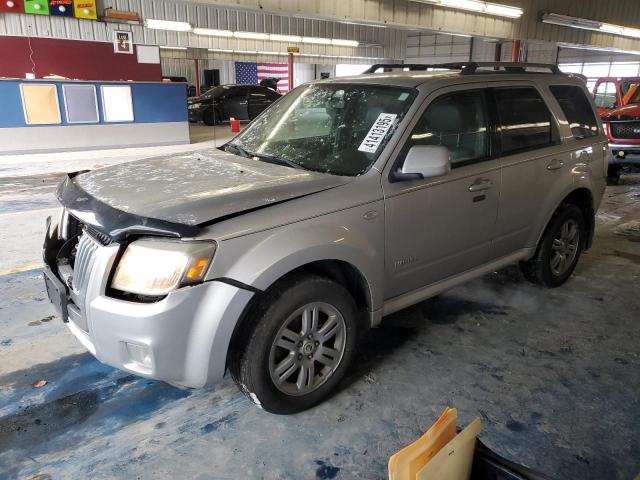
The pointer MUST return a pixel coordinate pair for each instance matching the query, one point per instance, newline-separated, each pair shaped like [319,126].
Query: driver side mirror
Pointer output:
[425,161]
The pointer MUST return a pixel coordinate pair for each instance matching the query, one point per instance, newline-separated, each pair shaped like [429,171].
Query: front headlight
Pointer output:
[155,267]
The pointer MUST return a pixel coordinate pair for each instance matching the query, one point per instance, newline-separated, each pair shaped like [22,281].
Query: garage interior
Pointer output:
[553,374]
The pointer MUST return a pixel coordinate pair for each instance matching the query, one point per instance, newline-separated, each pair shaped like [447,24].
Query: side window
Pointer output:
[457,121]
[577,109]
[524,121]
[271,95]
[236,93]
[606,95]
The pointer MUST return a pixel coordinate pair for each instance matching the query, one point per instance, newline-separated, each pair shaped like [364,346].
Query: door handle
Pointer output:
[480,185]
[555,164]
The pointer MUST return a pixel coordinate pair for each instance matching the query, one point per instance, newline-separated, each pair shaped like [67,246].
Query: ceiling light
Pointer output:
[212,32]
[503,10]
[567,21]
[251,35]
[588,24]
[220,50]
[344,43]
[464,4]
[318,41]
[285,38]
[167,25]
[479,6]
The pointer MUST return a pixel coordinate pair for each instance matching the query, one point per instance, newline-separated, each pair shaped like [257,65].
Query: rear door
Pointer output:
[535,165]
[439,227]
[235,102]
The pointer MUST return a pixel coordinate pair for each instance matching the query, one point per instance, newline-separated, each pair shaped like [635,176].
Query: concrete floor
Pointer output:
[554,375]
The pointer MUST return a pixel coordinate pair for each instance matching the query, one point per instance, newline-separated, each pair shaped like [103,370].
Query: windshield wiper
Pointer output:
[264,157]
[239,150]
[277,160]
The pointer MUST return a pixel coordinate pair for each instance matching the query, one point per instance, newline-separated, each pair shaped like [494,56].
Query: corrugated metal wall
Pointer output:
[438,48]
[412,14]
[382,43]
[183,67]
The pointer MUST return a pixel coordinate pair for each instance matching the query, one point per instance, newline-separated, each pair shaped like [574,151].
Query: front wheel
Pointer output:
[559,249]
[297,344]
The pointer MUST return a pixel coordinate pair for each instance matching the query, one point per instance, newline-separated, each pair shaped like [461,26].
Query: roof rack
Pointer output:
[468,68]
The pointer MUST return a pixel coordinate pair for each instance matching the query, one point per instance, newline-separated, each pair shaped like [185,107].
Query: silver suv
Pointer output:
[345,201]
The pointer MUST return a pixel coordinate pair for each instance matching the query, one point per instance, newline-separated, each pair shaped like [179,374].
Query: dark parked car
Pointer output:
[244,102]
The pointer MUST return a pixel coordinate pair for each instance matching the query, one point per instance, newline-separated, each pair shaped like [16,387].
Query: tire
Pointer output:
[209,119]
[613,174]
[255,358]
[543,268]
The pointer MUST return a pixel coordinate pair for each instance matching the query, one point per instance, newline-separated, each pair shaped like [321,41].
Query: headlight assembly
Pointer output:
[156,267]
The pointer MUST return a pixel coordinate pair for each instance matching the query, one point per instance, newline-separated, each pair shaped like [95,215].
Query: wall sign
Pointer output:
[40,104]
[122,42]
[16,6]
[117,104]
[37,7]
[85,9]
[80,103]
[61,8]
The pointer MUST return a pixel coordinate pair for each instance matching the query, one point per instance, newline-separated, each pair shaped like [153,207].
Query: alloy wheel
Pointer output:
[307,349]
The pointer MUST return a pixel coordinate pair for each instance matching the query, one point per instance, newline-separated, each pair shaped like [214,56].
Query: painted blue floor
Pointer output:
[554,375]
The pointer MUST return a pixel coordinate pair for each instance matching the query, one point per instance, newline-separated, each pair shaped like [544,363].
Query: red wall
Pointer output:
[73,59]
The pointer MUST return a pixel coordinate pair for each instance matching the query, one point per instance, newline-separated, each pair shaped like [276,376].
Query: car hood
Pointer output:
[628,112]
[199,188]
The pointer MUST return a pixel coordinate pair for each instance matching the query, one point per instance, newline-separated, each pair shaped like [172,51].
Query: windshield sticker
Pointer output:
[377,133]
[403,96]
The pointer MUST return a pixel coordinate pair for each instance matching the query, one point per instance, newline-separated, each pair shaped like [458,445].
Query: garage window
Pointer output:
[524,121]
[577,109]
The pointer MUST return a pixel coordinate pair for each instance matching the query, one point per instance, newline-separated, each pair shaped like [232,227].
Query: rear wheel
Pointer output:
[613,174]
[559,249]
[211,117]
[297,344]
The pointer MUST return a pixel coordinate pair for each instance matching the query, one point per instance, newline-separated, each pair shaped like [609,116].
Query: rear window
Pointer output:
[524,120]
[577,109]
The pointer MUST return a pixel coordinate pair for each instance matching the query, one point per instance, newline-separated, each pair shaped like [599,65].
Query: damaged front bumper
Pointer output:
[181,338]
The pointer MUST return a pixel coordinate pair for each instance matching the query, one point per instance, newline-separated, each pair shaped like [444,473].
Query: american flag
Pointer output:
[253,73]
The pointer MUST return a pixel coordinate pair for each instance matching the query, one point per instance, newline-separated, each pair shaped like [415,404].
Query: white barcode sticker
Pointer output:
[377,132]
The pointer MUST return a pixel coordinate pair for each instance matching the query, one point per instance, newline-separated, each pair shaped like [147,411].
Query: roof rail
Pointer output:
[409,66]
[468,68]
[510,67]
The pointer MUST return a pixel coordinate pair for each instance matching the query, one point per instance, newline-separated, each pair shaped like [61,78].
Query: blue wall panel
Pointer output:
[152,102]
[159,102]
[11,112]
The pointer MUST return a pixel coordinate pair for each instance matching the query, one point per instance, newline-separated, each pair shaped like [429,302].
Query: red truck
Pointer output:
[618,102]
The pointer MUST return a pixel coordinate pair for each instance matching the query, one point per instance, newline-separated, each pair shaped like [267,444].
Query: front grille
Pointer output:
[76,227]
[83,261]
[625,130]
[83,258]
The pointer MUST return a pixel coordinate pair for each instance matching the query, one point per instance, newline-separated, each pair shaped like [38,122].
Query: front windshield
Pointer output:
[332,128]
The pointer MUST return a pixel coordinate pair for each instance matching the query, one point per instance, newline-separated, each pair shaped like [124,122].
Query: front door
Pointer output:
[439,227]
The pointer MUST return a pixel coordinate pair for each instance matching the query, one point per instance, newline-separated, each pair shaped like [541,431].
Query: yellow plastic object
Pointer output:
[85,9]
[632,91]
[40,102]
[405,464]
[455,459]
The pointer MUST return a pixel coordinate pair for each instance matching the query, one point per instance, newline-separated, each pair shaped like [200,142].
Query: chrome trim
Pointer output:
[83,264]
